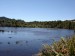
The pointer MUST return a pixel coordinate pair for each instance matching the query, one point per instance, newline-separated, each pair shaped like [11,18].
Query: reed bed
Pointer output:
[63,47]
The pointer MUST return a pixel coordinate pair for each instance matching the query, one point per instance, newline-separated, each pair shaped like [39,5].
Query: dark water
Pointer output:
[27,41]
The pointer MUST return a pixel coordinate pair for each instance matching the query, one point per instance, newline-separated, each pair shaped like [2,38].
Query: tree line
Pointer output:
[8,22]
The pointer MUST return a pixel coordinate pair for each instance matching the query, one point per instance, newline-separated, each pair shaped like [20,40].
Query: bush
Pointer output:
[64,47]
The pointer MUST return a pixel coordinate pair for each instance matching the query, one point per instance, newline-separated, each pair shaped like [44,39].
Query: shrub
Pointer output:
[64,47]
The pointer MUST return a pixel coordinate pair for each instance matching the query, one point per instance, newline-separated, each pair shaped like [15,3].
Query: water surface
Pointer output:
[28,41]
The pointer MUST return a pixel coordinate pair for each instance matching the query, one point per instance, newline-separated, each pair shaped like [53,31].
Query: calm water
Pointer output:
[27,41]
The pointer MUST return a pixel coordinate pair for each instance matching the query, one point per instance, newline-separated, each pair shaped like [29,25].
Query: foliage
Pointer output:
[64,47]
[8,22]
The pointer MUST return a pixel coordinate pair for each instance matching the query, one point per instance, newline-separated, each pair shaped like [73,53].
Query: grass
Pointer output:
[64,47]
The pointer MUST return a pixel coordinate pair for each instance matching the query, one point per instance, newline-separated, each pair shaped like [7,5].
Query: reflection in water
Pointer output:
[27,41]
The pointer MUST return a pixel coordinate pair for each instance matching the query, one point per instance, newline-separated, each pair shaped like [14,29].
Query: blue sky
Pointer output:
[38,10]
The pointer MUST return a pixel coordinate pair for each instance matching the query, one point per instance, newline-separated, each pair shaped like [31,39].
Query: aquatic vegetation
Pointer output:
[8,42]
[64,47]
[0,42]
[26,41]
[20,41]
[1,30]
[10,37]
[17,42]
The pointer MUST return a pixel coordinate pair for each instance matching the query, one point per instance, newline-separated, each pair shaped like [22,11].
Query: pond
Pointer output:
[28,41]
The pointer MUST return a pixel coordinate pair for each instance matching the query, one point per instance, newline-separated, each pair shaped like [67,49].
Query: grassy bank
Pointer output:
[64,47]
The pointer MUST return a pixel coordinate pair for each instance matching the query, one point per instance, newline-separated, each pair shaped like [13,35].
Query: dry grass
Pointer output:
[64,47]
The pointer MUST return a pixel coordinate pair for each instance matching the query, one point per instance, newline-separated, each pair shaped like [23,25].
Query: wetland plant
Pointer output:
[0,42]
[63,47]
[17,42]
[8,42]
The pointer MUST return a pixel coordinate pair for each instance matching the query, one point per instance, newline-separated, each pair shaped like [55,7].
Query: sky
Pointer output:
[38,10]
